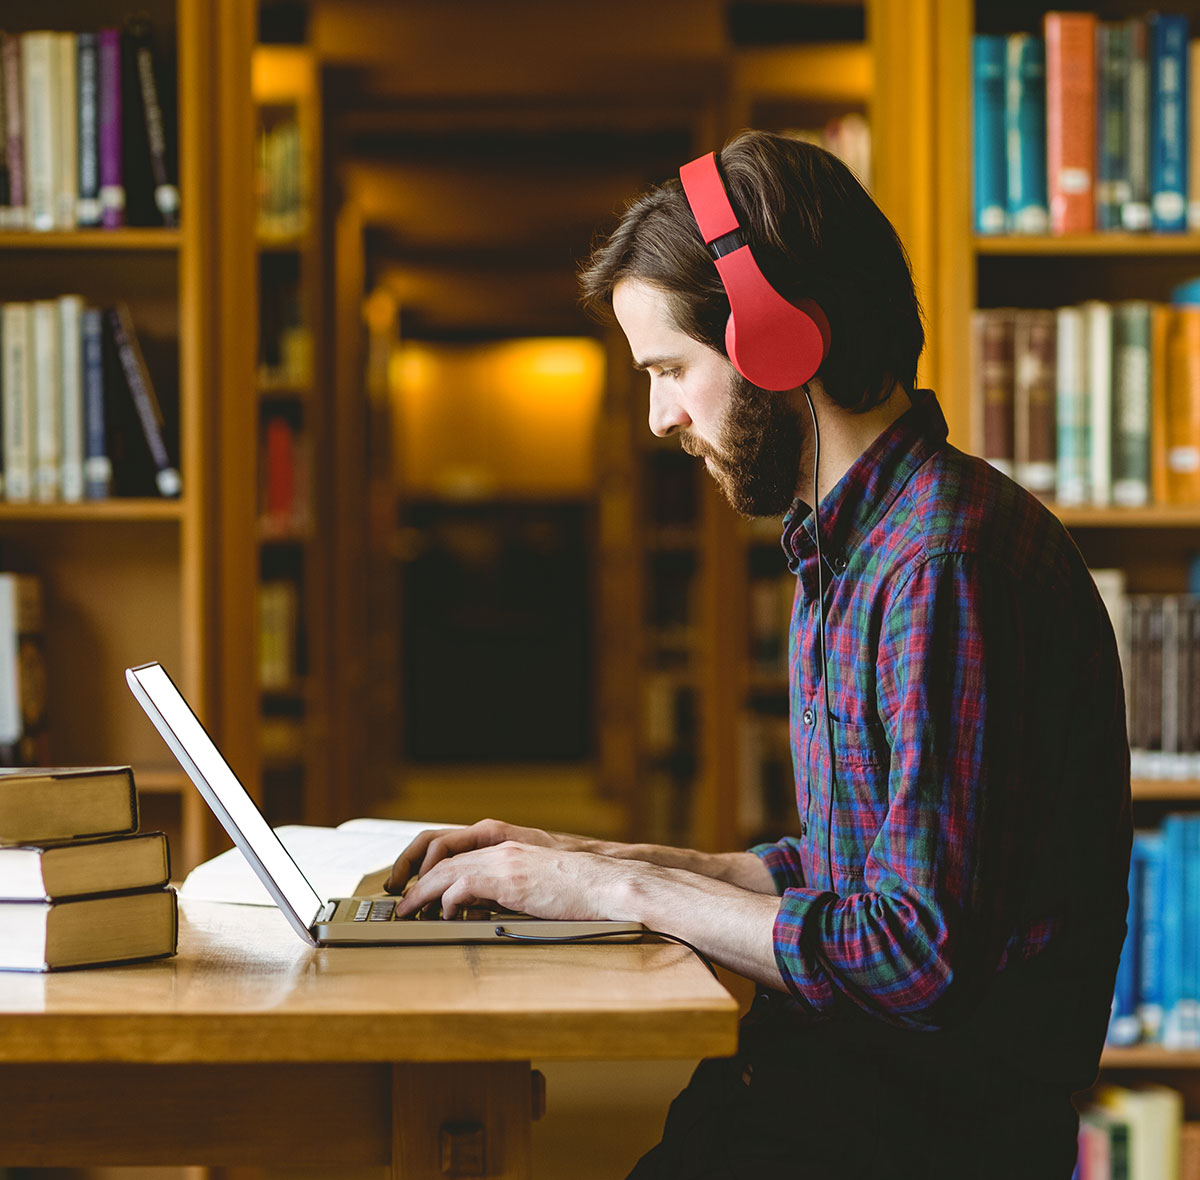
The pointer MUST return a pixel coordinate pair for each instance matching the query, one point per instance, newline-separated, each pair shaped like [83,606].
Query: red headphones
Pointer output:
[774,344]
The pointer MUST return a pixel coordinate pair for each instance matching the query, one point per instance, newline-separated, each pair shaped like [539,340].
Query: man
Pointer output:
[929,1004]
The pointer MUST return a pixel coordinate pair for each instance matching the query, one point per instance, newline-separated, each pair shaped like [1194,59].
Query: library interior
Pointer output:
[298,398]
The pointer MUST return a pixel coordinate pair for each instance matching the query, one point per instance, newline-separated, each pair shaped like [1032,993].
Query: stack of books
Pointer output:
[79,884]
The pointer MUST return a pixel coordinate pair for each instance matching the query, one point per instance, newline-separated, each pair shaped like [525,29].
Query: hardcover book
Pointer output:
[43,804]
[80,932]
[79,868]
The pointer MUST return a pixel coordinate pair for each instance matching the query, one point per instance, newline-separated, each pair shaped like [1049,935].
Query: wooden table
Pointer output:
[250,1048]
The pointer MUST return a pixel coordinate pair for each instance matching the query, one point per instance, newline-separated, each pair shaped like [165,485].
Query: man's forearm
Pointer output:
[743,869]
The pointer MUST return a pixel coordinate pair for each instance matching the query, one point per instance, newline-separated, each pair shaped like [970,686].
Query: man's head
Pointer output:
[815,234]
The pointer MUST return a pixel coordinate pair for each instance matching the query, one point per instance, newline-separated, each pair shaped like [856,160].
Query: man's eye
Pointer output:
[672,373]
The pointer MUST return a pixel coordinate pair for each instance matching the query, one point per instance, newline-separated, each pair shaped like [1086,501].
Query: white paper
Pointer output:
[353,859]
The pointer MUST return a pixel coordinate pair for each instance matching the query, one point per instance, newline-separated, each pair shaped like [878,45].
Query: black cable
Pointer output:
[824,660]
[504,932]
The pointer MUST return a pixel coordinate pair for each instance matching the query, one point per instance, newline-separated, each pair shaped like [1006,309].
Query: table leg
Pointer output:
[464,1119]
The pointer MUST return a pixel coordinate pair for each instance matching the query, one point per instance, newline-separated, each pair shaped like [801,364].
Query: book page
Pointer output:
[354,858]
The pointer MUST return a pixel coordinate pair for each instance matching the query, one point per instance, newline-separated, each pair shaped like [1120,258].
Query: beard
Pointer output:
[756,459]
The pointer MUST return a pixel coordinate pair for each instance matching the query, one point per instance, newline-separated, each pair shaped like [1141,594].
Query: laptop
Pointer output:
[338,921]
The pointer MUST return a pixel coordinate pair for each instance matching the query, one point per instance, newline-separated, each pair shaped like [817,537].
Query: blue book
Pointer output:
[1124,1026]
[1113,190]
[1168,37]
[1025,134]
[1148,853]
[1171,923]
[97,463]
[990,152]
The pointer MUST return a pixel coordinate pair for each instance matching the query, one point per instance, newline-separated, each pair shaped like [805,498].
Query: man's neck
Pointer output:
[844,436]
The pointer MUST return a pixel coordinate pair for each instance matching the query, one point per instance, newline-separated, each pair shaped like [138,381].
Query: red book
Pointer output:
[1071,120]
[280,484]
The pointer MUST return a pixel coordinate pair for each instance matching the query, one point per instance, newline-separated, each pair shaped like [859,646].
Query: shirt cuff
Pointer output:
[783,863]
[795,931]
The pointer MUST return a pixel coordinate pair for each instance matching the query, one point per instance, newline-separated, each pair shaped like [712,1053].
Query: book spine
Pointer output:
[23,735]
[1072,410]
[5,190]
[991,184]
[1149,983]
[1183,406]
[1193,144]
[88,133]
[112,182]
[166,193]
[1071,120]
[1034,351]
[1124,1028]
[38,62]
[70,312]
[1131,404]
[18,402]
[47,386]
[1112,137]
[141,391]
[992,340]
[14,115]
[1098,326]
[1170,684]
[1173,885]
[1025,134]
[65,139]
[1135,213]
[97,465]
[1168,121]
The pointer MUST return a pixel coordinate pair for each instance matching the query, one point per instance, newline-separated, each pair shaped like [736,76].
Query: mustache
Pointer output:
[694,447]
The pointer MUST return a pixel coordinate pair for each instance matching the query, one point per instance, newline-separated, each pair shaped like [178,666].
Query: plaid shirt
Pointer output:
[981,809]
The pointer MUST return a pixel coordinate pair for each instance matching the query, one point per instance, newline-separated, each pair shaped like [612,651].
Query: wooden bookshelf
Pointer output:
[130,580]
[286,85]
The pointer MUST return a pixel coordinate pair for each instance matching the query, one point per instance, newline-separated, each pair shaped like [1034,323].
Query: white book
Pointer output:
[1098,330]
[39,72]
[353,859]
[70,354]
[66,140]
[15,335]
[1072,410]
[46,397]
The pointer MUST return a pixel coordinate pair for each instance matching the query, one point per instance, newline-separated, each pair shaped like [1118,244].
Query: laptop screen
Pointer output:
[229,800]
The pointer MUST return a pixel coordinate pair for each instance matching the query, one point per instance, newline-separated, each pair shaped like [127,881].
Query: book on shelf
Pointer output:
[1096,404]
[79,868]
[88,931]
[278,633]
[1152,1119]
[89,130]
[24,728]
[79,414]
[42,804]
[1105,110]
[353,859]
[1103,1152]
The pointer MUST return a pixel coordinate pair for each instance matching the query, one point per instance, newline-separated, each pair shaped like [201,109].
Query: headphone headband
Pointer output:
[774,344]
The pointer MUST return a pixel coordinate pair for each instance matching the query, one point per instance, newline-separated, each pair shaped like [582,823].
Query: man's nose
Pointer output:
[667,415]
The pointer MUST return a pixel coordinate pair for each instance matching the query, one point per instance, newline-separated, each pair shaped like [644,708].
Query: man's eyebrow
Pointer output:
[650,362]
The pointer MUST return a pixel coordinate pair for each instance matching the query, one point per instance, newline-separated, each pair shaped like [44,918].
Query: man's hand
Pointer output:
[546,882]
[432,847]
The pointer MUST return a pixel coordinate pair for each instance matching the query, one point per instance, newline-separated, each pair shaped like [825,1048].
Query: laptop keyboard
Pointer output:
[383,909]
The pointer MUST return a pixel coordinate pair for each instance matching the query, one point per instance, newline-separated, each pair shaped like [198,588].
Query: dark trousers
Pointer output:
[826,1103]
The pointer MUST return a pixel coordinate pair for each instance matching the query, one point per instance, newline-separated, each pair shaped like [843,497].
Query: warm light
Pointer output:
[516,418]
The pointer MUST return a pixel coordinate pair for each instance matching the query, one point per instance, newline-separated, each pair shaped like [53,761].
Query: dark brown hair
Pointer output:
[815,234]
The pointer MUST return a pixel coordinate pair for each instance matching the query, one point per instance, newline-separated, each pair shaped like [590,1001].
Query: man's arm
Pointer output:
[743,869]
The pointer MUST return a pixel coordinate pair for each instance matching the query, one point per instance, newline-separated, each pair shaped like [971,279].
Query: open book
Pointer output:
[352,860]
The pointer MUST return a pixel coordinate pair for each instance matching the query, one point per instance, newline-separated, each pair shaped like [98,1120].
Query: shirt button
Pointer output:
[839,564]
[804,827]
[809,716]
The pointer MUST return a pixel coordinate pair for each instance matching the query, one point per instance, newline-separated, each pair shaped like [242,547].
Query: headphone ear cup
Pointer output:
[774,344]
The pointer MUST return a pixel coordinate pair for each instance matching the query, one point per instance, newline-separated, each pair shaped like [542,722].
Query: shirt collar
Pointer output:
[868,489]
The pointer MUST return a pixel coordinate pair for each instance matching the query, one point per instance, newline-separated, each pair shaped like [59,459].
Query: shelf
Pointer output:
[91,239]
[837,73]
[116,509]
[1149,1057]
[1076,245]
[1181,516]
[1166,789]
[162,782]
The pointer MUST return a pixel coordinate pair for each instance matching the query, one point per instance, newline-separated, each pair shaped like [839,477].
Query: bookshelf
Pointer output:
[292,632]
[1154,544]
[129,580]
